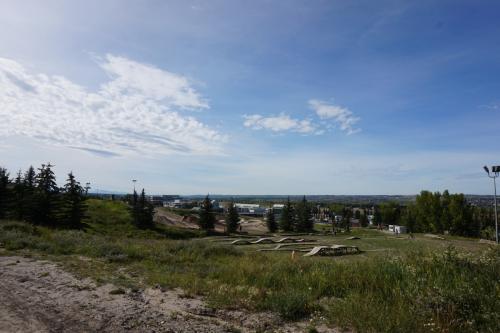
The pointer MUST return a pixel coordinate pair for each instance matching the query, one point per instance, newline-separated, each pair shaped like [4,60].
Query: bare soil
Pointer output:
[39,296]
[248,225]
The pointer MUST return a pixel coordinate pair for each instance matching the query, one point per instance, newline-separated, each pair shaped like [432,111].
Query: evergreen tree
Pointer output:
[73,207]
[4,192]
[232,218]
[18,201]
[142,210]
[272,226]
[206,215]
[287,217]
[47,202]
[146,212]
[305,221]
[29,203]
[135,209]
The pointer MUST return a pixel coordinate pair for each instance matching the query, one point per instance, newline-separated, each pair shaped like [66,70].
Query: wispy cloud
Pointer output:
[327,113]
[137,110]
[280,123]
[491,106]
[341,116]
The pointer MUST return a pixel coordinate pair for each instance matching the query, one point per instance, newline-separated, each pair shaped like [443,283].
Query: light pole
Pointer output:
[87,188]
[134,181]
[495,170]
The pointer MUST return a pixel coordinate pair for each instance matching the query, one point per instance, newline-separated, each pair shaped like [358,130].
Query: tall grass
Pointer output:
[419,292]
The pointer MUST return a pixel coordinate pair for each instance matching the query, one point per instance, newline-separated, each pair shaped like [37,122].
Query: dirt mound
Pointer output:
[171,219]
[166,217]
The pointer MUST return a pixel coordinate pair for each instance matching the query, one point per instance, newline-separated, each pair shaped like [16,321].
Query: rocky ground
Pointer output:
[39,296]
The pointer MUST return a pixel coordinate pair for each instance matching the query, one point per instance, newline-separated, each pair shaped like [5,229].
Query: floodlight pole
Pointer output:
[494,175]
[496,209]
[134,181]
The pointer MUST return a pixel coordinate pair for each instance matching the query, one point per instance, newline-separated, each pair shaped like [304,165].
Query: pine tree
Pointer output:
[134,208]
[73,207]
[29,185]
[272,226]
[46,197]
[305,221]
[206,215]
[4,192]
[287,218]
[145,211]
[18,191]
[232,218]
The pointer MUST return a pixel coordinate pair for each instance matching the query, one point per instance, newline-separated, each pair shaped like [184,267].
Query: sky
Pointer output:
[253,97]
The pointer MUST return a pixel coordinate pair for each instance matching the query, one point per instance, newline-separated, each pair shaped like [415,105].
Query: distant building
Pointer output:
[398,229]
[177,202]
[277,210]
[160,200]
[250,209]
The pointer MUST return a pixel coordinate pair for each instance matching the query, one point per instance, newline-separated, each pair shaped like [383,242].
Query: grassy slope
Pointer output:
[412,286]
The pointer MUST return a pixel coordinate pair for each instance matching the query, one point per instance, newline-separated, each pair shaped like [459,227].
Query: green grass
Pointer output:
[112,218]
[419,285]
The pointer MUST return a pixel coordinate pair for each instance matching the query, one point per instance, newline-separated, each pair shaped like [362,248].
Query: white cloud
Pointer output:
[326,112]
[342,116]
[279,123]
[137,110]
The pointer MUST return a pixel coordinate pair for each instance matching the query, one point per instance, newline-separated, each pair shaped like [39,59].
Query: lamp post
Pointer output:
[87,188]
[134,181]
[495,170]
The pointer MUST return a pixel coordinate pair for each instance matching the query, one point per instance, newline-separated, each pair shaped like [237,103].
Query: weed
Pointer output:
[409,290]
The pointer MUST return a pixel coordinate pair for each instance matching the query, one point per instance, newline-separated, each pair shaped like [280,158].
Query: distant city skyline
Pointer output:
[234,97]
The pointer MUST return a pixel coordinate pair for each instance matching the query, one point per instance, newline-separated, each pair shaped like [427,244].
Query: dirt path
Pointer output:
[38,296]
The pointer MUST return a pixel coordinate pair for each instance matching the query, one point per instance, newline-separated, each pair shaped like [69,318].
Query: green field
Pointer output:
[396,284]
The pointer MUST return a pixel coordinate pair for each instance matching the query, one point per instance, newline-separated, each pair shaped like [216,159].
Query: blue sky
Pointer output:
[254,97]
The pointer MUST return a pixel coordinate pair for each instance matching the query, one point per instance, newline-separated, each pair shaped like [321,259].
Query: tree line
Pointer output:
[439,213]
[33,196]
[207,216]
[294,217]
[297,217]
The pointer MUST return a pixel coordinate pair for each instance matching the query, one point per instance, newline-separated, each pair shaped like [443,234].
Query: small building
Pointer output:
[250,209]
[397,229]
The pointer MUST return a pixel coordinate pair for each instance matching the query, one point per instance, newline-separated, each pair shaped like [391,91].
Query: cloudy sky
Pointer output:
[253,97]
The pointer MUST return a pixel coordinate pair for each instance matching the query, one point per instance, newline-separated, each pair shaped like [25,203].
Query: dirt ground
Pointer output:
[38,296]
[248,225]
